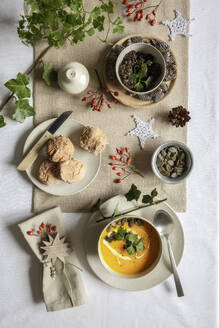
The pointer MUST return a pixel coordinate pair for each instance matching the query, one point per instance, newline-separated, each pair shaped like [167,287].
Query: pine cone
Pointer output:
[179,116]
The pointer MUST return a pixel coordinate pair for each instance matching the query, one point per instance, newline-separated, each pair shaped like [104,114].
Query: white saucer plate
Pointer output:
[162,270]
[72,129]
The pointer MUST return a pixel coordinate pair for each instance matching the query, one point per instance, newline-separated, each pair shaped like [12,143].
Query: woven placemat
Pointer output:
[116,122]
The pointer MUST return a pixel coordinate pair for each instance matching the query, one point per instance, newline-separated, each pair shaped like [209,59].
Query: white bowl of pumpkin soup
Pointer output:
[130,247]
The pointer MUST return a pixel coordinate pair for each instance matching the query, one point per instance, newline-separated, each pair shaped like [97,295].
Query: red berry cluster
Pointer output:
[49,229]
[97,101]
[139,11]
[122,163]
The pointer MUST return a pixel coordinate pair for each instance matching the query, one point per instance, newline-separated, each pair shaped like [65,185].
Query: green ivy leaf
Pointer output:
[91,31]
[2,121]
[147,199]
[71,19]
[95,12]
[154,193]
[133,193]
[19,86]
[98,23]
[118,21]
[33,4]
[49,74]
[75,6]
[118,29]
[108,7]
[78,35]
[22,110]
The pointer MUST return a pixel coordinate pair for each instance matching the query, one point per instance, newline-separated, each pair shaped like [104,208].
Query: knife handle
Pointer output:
[32,155]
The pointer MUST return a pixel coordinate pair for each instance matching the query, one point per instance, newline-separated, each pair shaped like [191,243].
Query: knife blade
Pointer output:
[32,155]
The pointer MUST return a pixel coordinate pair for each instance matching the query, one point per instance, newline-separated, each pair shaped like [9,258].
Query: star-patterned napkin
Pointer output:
[62,283]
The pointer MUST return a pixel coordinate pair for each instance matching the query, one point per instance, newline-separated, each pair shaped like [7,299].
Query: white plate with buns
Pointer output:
[71,129]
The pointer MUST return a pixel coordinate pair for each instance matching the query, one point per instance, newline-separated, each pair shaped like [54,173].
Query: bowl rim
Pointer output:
[156,170]
[132,276]
[117,68]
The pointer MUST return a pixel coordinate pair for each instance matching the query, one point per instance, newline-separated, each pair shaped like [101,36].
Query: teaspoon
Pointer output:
[164,224]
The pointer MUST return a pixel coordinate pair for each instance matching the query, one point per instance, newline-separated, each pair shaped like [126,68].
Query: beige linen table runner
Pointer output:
[49,102]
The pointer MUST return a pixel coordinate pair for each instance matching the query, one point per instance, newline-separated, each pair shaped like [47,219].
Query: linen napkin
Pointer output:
[62,284]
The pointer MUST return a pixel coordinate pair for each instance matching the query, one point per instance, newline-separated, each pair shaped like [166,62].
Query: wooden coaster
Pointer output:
[124,97]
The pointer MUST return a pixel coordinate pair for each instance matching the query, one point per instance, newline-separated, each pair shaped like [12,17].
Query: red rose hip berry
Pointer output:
[138,5]
[153,22]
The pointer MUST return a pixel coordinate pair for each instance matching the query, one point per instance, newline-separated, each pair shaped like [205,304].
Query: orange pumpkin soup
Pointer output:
[129,246]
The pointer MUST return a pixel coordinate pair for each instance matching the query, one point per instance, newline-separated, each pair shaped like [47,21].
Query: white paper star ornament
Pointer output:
[178,25]
[143,130]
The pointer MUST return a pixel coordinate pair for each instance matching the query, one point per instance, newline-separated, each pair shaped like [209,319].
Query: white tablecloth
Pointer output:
[20,290]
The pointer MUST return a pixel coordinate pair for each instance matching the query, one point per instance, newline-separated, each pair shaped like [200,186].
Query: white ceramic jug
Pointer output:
[73,78]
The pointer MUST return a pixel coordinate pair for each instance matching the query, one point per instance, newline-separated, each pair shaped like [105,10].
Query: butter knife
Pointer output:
[32,155]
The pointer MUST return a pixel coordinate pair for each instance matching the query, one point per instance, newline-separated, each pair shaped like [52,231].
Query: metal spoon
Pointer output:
[164,225]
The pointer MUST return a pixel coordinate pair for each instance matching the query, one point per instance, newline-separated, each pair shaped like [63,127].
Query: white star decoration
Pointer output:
[178,25]
[143,130]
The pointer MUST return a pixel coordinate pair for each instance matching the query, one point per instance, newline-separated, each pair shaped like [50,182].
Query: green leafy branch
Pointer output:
[54,20]
[19,88]
[58,21]
[133,194]
[29,70]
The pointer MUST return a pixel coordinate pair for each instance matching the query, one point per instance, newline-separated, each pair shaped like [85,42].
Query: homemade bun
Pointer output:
[47,173]
[71,171]
[60,149]
[93,140]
